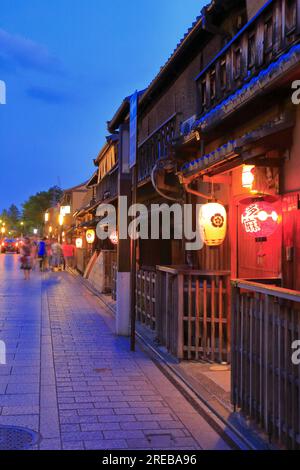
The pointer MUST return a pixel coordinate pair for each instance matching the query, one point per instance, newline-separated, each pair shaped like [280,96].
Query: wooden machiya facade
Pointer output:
[248,127]
[183,295]
[218,124]
[95,259]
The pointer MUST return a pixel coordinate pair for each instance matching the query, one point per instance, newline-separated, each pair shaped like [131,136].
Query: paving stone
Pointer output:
[70,378]
[78,445]
[106,444]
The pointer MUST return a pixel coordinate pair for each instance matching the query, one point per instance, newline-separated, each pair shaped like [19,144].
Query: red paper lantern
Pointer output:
[260,219]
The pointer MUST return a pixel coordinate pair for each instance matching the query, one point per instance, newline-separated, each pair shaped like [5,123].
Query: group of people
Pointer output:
[46,254]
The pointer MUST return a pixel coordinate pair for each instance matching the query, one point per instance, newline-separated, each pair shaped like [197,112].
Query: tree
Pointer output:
[13,216]
[35,207]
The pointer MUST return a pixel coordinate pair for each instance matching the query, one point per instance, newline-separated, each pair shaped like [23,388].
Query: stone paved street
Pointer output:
[71,379]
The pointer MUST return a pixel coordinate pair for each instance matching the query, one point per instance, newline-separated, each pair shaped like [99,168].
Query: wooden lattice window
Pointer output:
[290,15]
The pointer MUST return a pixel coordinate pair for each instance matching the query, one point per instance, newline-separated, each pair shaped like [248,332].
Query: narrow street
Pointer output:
[69,378]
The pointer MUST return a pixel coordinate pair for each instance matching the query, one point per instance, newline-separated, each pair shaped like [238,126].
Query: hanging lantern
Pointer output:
[90,236]
[213,223]
[65,210]
[260,219]
[248,176]
[114,237]
[78,242]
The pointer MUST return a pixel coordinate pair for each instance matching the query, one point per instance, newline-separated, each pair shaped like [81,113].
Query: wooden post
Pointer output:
[123,260]
[180,315]
[133,245]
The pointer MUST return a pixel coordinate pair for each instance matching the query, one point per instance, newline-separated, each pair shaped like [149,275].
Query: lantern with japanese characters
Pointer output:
[260,219]
[213,223]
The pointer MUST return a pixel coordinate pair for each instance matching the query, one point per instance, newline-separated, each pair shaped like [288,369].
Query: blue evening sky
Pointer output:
[67,65]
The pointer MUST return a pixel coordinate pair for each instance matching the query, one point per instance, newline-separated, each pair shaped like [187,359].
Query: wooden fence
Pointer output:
[193,313]
[265,377]
[146,297]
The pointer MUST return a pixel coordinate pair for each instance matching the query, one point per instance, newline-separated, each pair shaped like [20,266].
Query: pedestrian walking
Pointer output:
[68,250]
[34,253]
[56,255]
[42,253]
[25,259]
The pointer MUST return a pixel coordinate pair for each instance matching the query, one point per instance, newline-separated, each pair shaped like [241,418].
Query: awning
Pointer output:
[236,149]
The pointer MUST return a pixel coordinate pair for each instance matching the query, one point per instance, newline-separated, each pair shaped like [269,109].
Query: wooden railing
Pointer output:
[193,313]
[107,188]
[114,270]
[81,258]
[266,37]
[265,381]
[154,147]
[146,297]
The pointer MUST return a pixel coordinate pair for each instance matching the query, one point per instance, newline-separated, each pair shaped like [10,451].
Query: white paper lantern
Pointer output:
[213,223]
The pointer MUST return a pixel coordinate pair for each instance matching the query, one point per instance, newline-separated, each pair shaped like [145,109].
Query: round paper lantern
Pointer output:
[248,176]
[213,223]
[78,242]
[114,237]
[90,236]
[260,219]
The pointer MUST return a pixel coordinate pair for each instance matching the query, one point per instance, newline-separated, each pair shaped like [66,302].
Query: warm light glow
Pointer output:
[61,219]
[3,230]
[248,176]
[78,242]
[65,210]
[213,222]
[260,219]
[46,217]
[90,236]
[114,237]
[50,229]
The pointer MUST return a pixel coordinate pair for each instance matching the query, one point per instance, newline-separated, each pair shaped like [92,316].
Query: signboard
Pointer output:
[133,129]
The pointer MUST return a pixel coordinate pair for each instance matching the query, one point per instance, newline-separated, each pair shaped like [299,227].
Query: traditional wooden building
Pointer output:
[101,188]
[223,130]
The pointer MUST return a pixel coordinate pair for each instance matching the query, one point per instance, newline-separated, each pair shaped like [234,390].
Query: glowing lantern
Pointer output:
[78,242]
[46,217]
[90,236]
[65,210]
[260,219]
[213,223]
[114,237]
[248,176]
